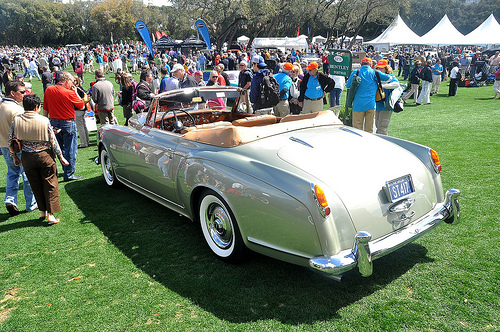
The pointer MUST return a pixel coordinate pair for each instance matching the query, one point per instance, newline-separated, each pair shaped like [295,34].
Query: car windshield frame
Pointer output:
[191,99]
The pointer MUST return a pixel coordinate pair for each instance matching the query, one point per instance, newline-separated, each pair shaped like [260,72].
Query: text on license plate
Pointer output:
[400,187]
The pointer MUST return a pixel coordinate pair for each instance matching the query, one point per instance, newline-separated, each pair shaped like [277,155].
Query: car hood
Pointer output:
[354,166]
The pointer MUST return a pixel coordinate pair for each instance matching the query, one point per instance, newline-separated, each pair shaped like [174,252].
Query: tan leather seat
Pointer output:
[226,136]
[255,121]
[207,126]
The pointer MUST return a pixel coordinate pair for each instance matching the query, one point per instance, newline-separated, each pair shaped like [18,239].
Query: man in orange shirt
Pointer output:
[59,105]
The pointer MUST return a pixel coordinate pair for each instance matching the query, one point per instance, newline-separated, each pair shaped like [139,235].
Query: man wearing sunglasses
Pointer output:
[9,108]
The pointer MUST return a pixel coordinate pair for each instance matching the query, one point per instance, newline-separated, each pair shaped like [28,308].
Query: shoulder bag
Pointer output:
[380,95]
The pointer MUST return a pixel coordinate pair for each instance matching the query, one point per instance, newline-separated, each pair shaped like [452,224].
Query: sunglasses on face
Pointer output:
[22,92]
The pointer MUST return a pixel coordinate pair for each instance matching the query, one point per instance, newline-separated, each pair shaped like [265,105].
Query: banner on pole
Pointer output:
[203,30]
[143,31]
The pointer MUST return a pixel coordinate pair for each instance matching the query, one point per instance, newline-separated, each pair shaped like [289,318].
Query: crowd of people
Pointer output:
[303,87]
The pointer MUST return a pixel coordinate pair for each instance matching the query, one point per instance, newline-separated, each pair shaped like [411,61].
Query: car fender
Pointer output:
[272,221]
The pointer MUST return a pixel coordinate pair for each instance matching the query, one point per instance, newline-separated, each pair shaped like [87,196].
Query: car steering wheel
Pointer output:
[177,126]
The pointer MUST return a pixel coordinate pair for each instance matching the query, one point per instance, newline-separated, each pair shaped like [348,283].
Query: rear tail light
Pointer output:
[435,160]
[320,197]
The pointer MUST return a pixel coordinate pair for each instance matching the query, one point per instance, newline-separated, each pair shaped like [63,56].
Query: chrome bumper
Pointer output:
[365,251]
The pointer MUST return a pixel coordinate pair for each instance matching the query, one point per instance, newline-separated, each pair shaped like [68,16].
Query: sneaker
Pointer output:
[75,177]
[13,211]
[418,104]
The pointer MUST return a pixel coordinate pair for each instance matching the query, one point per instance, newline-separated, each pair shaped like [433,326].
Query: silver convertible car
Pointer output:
[305,189]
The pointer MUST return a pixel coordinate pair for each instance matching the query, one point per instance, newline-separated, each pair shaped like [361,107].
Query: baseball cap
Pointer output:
[288,66]
[259,60]
[382,63]
[312,65]
[198,72]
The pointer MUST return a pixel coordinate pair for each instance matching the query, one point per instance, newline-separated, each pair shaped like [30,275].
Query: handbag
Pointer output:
[15,146]
[380,95]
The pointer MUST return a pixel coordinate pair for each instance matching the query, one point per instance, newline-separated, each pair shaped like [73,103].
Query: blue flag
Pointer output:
[202,28]
[143,31]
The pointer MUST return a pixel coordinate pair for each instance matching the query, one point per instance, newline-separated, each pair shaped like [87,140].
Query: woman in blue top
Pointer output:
[383,115]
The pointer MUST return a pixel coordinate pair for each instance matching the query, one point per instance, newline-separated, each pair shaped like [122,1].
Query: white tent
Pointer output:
[488,33]
[281,43]
[443,33]
[319,39]
[397,33]
[242,39]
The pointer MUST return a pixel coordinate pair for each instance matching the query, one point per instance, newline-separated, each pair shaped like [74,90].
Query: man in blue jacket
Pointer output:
[260,70]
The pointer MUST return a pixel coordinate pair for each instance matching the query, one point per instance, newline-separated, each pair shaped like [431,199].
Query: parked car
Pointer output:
[305,189]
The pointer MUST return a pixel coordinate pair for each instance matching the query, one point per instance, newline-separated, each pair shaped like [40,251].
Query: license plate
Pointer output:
[399,187]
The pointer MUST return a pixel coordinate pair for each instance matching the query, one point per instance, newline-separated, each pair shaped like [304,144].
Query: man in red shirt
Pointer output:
[59,105]
[324,59]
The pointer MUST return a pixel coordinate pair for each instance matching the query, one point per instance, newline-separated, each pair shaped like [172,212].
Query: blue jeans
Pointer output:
[335,97]
[68,141]
[13,174]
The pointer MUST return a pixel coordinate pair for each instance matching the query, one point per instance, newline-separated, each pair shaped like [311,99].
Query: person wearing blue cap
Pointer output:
[260,70]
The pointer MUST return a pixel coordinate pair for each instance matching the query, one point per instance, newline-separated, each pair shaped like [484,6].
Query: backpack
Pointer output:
[138,104]
[269,92]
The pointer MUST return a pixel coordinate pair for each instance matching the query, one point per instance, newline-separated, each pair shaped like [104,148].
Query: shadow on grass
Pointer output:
[172,251]
[5,227]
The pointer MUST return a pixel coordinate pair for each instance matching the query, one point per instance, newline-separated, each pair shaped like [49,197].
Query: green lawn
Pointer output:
[120,262]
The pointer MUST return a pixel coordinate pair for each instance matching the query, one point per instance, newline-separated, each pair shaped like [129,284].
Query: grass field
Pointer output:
[120,262]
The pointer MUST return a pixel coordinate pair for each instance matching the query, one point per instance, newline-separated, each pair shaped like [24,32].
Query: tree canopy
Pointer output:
[43,22]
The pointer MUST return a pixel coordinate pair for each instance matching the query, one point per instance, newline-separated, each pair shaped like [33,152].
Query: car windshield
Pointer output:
[198,98]
[195,99]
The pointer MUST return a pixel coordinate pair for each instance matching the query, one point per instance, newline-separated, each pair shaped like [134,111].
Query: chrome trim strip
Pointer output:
[270,246]
[365,251]
[134,186]
[295,139]
[350,131]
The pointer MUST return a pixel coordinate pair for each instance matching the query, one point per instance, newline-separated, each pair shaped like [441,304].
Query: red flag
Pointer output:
[158,35]
[298,31]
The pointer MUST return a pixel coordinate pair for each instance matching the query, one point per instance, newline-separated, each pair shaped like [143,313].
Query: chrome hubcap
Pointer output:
[219,226]
[106,162]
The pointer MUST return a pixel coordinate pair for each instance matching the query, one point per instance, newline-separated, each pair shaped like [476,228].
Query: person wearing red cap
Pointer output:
[363,105]
[198,76]
[313,89]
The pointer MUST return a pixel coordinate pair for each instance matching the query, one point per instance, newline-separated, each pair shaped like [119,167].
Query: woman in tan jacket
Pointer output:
[39,147]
